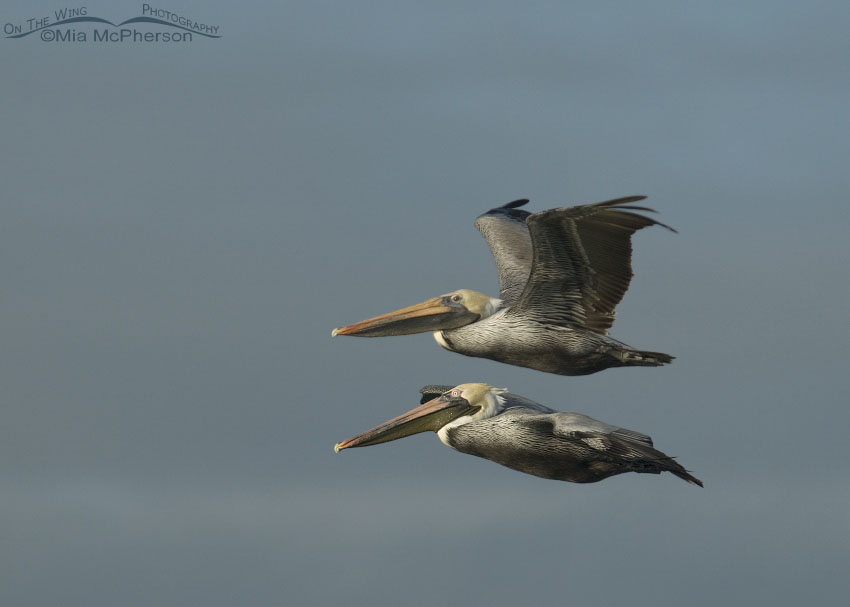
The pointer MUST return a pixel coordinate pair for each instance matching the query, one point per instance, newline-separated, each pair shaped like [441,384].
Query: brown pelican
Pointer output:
[561,274]
[524,435]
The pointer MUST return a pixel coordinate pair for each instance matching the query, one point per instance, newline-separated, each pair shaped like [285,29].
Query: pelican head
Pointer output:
[450,311]
[460,405]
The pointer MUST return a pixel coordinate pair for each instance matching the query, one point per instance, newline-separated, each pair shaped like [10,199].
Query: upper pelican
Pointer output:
[561,274]
[524,435]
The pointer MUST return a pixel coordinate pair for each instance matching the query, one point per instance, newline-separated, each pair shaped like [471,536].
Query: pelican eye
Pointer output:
[456,297]
[455,393]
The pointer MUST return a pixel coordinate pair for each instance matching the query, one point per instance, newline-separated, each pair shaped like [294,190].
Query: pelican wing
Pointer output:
[529,423]
[507,235]
[532,438]
[582,262]
[576,426]
[566,425]
[617,445]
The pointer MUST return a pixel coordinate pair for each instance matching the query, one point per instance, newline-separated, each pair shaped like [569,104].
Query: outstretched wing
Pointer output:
[581,262]
[507,235]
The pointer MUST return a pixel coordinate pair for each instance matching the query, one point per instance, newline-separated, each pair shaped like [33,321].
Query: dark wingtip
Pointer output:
[683,474]
[623,203]
[509,210]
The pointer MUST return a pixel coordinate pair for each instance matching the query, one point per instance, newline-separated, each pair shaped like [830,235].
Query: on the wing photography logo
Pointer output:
[77,25]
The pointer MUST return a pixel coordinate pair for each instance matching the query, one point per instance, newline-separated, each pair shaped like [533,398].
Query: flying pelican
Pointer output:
[561,274]
[523,435]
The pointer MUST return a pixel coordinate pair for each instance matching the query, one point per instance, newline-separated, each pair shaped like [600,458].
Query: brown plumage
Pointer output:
[562,273]
[523,435]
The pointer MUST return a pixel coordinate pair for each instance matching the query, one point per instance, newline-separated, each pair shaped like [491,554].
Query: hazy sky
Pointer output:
[184,223]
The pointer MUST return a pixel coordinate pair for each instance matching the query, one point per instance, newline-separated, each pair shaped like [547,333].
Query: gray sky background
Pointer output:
[183,225]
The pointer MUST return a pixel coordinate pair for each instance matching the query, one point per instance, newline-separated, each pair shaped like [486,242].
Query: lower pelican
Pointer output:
[524,435]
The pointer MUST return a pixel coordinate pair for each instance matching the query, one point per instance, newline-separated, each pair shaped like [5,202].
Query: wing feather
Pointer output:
[599,435]
[581,266]
[506,233]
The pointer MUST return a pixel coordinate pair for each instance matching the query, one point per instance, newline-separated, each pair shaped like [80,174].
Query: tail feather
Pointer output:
[645,458]
[687,476]
[671,465]
[645,358]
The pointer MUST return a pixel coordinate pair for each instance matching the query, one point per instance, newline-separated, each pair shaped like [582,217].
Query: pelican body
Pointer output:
[562,273]
[523,435]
